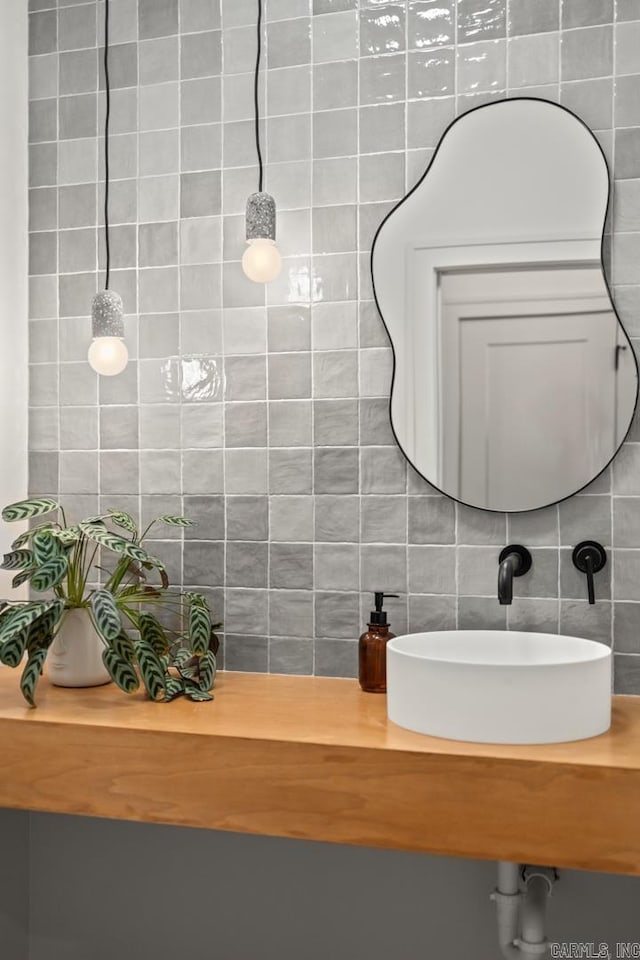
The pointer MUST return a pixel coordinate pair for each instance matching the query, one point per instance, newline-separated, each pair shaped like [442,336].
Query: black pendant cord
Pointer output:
[107,117]
[256,99]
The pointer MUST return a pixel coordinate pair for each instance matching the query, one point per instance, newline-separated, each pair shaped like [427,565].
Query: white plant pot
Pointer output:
[75,657]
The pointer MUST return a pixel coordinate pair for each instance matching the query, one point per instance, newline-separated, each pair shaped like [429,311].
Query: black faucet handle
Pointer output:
[520,551]
[514,561]
[589,557]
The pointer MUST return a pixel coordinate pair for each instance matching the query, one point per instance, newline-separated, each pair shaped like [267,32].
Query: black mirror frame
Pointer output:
[456,120]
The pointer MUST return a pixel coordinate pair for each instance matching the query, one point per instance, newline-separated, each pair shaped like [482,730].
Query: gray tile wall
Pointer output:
[263,414]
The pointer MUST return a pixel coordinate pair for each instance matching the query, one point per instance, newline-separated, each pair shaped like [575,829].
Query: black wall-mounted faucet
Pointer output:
[589,557]
[515,561]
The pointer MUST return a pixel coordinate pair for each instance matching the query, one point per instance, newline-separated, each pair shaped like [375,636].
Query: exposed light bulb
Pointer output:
[261,260]
[108,356]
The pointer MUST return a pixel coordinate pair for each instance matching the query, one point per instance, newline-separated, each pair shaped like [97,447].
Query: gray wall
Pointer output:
[94,888]
[264,414]
[14,884]
[105,890]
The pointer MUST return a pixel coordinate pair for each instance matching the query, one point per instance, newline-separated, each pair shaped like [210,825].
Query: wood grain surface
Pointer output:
[316,758]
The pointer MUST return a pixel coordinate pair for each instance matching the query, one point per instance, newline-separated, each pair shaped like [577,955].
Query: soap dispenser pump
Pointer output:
[372,649]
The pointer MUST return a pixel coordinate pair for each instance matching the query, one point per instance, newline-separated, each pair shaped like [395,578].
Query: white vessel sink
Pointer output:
[495,686]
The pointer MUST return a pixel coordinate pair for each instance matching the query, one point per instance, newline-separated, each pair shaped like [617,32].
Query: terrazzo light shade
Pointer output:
[108,354]
[261,260]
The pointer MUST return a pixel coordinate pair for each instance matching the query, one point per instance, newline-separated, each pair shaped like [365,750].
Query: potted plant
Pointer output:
[102,622]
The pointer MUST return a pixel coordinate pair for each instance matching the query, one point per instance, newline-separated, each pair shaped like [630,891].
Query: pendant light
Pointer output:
[261,260]
[108,354]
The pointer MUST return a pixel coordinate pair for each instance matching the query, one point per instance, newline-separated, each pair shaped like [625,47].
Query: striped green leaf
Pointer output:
[45,546]
[186,664]
[160,567]
[152,563]
[50,574]
[21,617]
[22,577]
[69,535]
[12,650]
[182,656]
[105,615]
[40,632]
[20,541]
[173,688]
[113,541]
[207,671]
[121,672]
[134,552]
[175,521]
[104,538]
[26,509]
[196,598]
[152,633]
[123,647]
[199,628]
[153,675]
[17,560]
[32,673]
[195,693]
[123,520]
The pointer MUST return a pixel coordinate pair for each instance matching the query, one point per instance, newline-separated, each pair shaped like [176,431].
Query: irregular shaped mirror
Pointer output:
[514,381]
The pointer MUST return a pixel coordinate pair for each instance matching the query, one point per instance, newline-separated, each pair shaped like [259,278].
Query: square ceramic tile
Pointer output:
[482,66]
[431,73]
[158,60]
[430,23]
[533,60]
[481,19]
[587,53]
[335,37]
[335,85]
[289,42]
[586,13]
[157,18]
[382,29]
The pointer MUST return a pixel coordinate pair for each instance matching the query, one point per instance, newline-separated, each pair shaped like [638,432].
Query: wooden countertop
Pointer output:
[315,758]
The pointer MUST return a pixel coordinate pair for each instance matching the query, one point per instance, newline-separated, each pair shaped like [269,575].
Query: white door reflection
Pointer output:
[533,375]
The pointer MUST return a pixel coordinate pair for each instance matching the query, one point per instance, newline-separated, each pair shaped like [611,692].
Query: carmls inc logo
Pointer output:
[577,950]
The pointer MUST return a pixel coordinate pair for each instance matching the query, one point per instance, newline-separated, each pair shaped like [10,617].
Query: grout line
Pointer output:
[358,220]
[99,231]
[456,505]
[225,546]
[263,101]
[181,496]
[614,234]
[312,338]
[57,326]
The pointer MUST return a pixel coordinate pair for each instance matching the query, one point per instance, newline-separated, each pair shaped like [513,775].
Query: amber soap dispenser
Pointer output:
[372,649]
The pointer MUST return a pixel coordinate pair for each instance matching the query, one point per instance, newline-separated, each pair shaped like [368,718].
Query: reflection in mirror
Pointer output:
[514,382]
